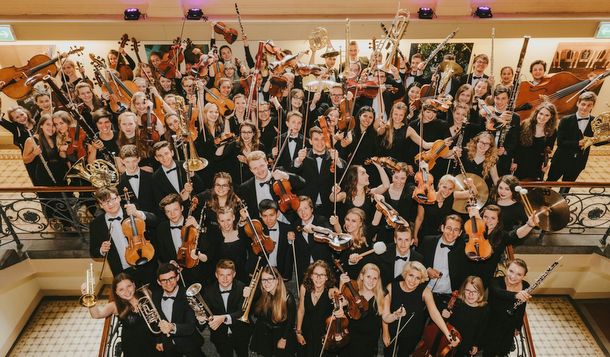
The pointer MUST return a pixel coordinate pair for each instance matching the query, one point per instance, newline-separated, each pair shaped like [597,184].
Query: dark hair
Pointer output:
[267,204]
[169,199]
[308,281]
[519,262]
[537,62]
[501,89]
[123,307]
[495,238]
[160,145]
[100,114]
[165,268]
[364,109]
[512,182]
[104,193]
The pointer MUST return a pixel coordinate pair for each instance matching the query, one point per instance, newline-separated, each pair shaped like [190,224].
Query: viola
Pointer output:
[477,247]
[225,139]
[356,304]
[287,199]
[392,218]
[254,231]
[125,72]
[439,149]
[225,105]
[385,161]
[337,334]
[190,237]
[16,78]
[229,34]
[139,250]
[424,193]
[346,120]
[337,241]
[434,342]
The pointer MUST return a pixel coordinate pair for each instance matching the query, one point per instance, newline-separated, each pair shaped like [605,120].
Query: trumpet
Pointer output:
[196,302]
[147,309]
[253,283]
[88,298]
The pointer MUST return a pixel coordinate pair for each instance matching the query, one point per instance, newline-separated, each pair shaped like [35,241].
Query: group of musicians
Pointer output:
[222,148]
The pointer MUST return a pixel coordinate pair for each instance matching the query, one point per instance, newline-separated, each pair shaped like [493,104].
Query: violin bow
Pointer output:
[258,238]
[279,153]
[352,157]
[306,117]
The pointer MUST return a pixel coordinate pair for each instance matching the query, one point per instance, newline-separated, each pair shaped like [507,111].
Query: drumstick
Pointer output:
[378,248]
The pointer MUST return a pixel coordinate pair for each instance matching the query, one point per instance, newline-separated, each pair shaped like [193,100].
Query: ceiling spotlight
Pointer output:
[194,14]
[483,12]
[132,14]
[425,13]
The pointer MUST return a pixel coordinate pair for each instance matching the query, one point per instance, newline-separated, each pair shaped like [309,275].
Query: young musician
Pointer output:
[282,235]
[21,125]
[129,133]
[504,292]
[136,338]
[537,69]
[290,149]
[275,312]
[107,237]
[315,305]
[570,158]
[179,336]
[508,199]
[481,157]
[138,182]
[225,299]
[408,299]
[397,255]
[479,64]
[354,226]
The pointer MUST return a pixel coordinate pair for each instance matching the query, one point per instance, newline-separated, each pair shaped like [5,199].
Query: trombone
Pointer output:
[192,161]
[393,37]
[88,298]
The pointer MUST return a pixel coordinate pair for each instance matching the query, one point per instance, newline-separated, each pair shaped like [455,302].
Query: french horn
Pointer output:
[100,173]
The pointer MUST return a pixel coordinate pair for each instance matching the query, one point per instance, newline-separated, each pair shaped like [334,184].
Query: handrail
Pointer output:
[33,189]
[108,334]
[526,324]
[105,335]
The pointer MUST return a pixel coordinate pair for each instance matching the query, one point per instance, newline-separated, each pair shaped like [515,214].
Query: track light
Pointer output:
[425,13]
[483,12]
[194,14]
[132,14]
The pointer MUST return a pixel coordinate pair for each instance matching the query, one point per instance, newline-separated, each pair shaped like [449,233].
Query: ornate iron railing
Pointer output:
[110,344]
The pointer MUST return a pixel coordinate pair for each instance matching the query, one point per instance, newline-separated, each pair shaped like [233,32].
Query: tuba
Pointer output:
[318,39]
[258,270]
[196,302]
[149,312]
[99,173]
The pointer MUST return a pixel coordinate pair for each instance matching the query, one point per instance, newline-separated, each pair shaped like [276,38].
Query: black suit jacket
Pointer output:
[285,158]
[144,201]
[313,249]
[568,151]
[284,251]
[467,78]
[386,261]
[99,234]
[247,192]
[186,337]
[212,297]
[163,187]
[456,258]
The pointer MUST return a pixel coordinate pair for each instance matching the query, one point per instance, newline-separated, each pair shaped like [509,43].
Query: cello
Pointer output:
[190,238]
[139,250]
[434,343]
[356,304]
[125,72]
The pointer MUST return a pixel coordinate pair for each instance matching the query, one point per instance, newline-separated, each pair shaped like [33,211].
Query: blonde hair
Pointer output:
[275,302]
[477,283]
[415,265]
[359,238]
[378,292]
[491,155]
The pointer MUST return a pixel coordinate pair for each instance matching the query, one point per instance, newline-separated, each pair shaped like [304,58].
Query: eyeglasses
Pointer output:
[485,143]
[221,185]
[449,229]
[110,200]
[470,292]
[168,280]
[267,280]
[316,275]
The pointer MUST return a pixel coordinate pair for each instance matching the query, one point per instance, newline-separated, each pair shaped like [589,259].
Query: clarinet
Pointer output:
[43,161]
[538,281]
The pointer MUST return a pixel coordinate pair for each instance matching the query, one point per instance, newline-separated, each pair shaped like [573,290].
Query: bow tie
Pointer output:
[320,156]
[169,297]
[292,139]
[585,119]
[272,229]
[170,170]
[225,292]
[175,227]
[129,177]
[406,259]
[115,219]
[475,77]
[263,183]
[443,245]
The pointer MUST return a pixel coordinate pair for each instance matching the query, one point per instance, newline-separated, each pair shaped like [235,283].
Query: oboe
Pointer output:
[43,160]
[538,281]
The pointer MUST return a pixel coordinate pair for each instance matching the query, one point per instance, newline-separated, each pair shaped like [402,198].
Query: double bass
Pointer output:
[125,72]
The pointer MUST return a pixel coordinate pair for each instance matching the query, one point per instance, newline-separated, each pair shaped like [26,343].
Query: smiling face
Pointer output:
[165,156]
[370,279]
[413,278]
[173,212]
[544,115]
[352,223]
[538,71]
[472,294]
[491,219]
[259,169]
[515,274]
[225,277]
[125,289]
[268,283]
[451,230]
[168,281]
[319,277]
[60,126]
[226,221]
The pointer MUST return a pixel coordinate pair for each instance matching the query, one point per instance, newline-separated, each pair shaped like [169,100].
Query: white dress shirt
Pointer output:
[118,238]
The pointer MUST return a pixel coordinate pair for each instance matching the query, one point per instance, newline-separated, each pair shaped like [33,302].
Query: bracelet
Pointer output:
[298,332]
[528,224]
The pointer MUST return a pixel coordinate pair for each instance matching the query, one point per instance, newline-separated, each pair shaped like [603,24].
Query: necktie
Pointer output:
[170,170]
[402,258]
[129,177]
[443,245]
[263,183]
[225,292]
[175,227]
[115,219]
[169,297]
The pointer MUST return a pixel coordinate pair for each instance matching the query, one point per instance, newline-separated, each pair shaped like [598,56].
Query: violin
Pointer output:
[273,50]
[190,237]
[125,72]
[278,86]
[346,120]
[368,89]
[337,241]
[139,250]
[439,149]
[307,69]
[148,131]
[225,139]
[225,105]
[477,247]
[326,134]
[287,199]
[254,231]
[337,334]
[16,78]
[424,193]
[229,34]
[76,142]
[385,161]
[434,342]
[356,304]
[392,218]
[120,92]
[169,64]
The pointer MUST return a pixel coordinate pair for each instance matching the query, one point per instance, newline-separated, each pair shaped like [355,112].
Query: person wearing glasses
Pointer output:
[481,157]
[275,312]
[178,336]
[234,153]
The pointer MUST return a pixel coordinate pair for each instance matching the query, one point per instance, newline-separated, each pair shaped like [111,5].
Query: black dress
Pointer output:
[414,303]
[513,216]
[237,251]
[267,333]
[136,338]
[501,326]
[314,324]
[367,206]
[470,322]
[364,333]
[400,148]
[530,159]
[434,216]
[485,269]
